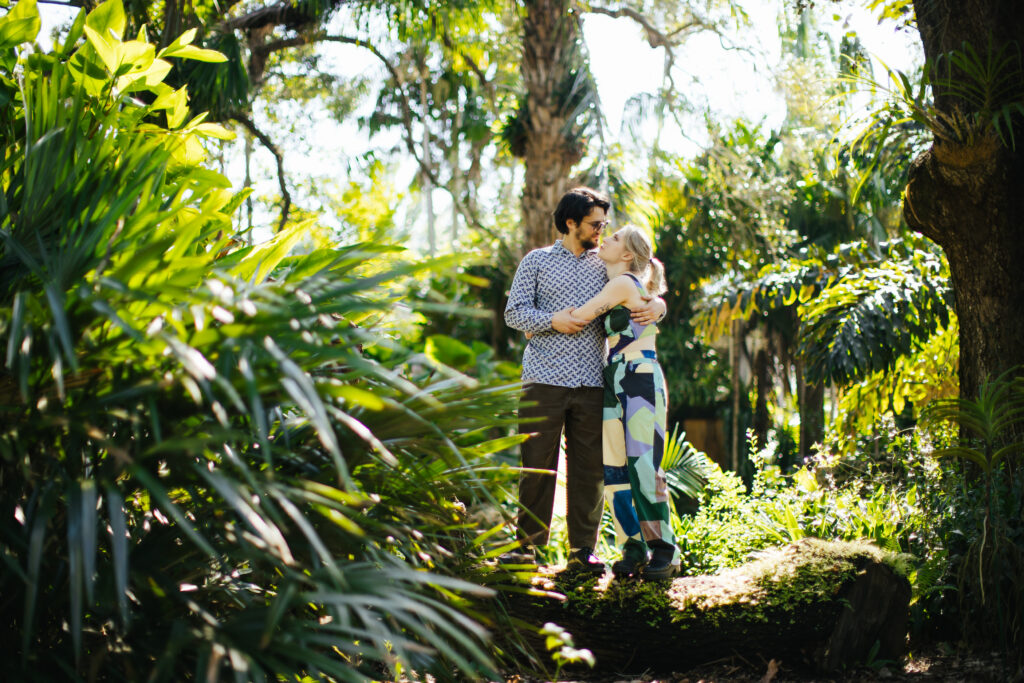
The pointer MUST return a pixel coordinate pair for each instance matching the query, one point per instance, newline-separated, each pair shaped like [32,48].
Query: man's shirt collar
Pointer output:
[558,246]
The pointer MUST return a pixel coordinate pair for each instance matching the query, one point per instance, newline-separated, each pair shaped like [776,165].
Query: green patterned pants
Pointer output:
[633,432]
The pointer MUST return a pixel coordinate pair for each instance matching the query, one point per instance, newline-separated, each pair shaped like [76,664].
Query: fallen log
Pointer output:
[814,603]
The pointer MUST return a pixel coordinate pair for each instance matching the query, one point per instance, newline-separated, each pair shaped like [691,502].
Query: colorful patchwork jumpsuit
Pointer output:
[635,413]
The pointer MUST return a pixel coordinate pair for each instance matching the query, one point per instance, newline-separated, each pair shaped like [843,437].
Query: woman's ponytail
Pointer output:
[643,264]
[656,278]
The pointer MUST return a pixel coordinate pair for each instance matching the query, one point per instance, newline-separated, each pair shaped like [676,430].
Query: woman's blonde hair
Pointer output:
[649,269]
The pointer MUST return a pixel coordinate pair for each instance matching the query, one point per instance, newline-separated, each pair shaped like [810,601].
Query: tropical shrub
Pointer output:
[215,460]
[848,500]
[983,527]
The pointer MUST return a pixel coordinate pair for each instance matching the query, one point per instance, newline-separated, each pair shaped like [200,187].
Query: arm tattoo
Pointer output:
[602,309]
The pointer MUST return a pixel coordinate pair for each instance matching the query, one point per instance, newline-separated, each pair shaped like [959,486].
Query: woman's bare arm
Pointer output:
[617,291]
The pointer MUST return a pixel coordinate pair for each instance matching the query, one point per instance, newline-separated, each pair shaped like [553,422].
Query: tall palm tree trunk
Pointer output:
[550,52]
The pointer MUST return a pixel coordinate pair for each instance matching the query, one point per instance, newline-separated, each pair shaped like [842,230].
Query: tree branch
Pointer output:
[281,13]
[260,52]
[284,44]
[487,85]
[286,198]
[655,37]
[410,144]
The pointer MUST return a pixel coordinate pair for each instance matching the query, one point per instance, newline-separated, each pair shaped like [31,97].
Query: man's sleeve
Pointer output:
[521,312]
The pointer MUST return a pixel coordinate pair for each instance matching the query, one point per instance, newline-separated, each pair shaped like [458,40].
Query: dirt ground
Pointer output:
[932,667]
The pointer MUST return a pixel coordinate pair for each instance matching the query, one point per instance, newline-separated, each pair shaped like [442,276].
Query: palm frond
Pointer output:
[217,462]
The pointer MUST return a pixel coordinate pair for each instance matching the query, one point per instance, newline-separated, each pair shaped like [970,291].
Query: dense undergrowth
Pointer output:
[957,525]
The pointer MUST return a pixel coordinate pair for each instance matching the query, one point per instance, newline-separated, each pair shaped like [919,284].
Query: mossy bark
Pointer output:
[812,603]
[964,192]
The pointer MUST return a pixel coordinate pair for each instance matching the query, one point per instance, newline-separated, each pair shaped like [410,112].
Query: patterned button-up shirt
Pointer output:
[547,281]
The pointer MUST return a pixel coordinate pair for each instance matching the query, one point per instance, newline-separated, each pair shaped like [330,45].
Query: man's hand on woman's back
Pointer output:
[651,312]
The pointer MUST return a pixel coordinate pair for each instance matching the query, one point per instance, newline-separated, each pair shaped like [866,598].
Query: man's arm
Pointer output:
[651,312]
[521,312]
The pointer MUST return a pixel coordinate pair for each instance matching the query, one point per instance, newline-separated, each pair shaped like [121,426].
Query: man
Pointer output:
[562,375]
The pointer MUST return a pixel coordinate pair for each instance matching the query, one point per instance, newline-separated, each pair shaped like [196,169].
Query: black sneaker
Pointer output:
[583,560]
[634,559]
[660,566]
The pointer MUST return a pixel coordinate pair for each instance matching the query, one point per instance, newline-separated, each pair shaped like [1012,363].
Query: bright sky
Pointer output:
[731,83]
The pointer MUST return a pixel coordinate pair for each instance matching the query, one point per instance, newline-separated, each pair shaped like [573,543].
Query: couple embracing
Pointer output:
[591,370]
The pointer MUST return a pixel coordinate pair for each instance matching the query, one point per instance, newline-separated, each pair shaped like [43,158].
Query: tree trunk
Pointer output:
[762,380]
[965,195]
[428,184]
[735,342]
[813,603]
[550,53]
[811,399]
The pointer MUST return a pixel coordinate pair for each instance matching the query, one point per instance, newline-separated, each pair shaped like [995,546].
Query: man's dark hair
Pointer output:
[576,204]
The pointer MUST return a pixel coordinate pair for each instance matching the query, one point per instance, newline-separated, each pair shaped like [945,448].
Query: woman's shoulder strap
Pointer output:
[637,281]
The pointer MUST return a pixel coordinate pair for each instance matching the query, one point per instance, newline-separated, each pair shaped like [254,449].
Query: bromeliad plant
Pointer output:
[215,461]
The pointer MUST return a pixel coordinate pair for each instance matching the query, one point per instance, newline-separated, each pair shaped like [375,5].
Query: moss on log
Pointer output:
[819,603]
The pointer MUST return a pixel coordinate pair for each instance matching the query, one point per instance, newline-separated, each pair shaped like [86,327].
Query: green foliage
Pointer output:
[721,534]
[983,90]
[847,501]
[985,525]
[956,530]
[685,467]
[220,88]
[559,643]
[903,390]
[872,316]
[989,84]
[860,309]
[216,460]
[894,10]
[990,421]
[901,11]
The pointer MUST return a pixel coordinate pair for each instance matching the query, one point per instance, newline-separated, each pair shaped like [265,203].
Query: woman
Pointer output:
[635,409]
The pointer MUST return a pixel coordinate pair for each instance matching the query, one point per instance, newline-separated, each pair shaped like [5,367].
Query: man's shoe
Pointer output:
[583,560]
[660,566]
[634,559]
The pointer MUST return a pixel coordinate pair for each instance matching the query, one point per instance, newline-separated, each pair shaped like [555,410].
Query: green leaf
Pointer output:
[359,397]
[449,351]
[185,38]
[265,257]
[496,445]
[57,306]
[104,49]
[20,25]
[119,549]
[37,537]
[108,18]
[90,500]
[71,39]
[214,130]
[196,54]
[75,569]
